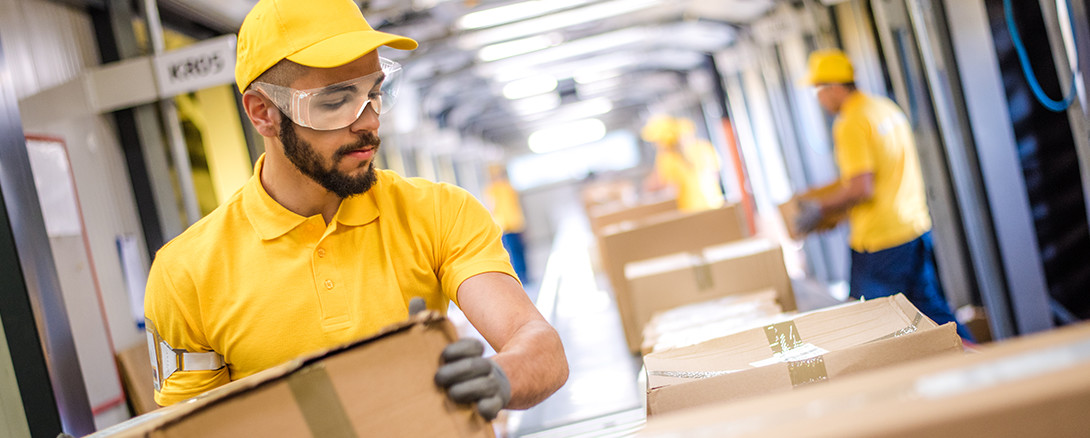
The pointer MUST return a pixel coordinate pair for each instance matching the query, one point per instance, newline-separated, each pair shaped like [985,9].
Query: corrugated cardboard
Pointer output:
[1037,386]
[698,322]
[136,376]
[605,215]
[738,267]
[823,345]
[666,234]
[380,386]
[790,210]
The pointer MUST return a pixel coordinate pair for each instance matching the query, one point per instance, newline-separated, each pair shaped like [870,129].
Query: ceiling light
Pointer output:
[514,12]
[567,135]
[518,47]
[554,21]
[536,104]
[530,86]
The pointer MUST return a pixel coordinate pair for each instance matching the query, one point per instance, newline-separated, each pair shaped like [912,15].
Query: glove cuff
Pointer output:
[505,385]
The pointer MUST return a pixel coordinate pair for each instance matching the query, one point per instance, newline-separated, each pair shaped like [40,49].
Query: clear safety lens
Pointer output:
[337,106]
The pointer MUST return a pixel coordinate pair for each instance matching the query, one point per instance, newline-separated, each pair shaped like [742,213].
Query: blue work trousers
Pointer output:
[908,269]
[512,242]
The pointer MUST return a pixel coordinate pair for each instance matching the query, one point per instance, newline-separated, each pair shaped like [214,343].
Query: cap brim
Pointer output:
[347,47]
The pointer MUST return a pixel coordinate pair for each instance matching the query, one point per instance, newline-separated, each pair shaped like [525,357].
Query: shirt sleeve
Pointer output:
[854,153]
[469,241]
[172,310]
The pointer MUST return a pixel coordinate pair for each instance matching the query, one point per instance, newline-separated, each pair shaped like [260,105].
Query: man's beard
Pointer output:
[303,156]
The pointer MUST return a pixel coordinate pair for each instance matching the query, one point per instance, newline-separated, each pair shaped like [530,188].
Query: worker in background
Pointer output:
[319,248]
[706,162]
[506,209]
[677,168]
[881,189]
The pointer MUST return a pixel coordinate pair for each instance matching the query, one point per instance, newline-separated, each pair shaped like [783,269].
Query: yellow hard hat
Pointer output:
[830,67]
[662,130]
[314,33]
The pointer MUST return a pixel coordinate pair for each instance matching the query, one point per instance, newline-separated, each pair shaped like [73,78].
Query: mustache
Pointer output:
[367,140]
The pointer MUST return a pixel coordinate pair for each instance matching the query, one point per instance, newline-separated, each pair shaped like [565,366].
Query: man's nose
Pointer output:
[367,121]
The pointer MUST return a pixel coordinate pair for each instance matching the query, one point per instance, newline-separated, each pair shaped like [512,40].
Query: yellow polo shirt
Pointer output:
[675,171]
[873,135]
[506,208]
[261,285]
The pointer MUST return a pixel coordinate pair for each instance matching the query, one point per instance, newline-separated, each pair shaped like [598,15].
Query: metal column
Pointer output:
[35,321]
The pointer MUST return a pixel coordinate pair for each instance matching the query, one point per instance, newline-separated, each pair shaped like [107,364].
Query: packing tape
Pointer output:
[318,401]
[703,275]
[784,337]
[912,328]
[690,374]
[807,371]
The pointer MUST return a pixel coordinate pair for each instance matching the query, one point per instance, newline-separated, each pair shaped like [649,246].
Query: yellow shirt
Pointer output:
[261,285]
[706,165]
[506,209]
[675,171]
[873,135]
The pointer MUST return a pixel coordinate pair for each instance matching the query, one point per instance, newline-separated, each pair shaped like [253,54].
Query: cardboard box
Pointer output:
[665,234]
[380,386]
[809,348]
[738,267]
[605,215]
[1036,386]
[137,377]
[790,210]
[698,322]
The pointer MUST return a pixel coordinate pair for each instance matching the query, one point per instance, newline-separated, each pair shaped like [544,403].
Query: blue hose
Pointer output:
[1027,69]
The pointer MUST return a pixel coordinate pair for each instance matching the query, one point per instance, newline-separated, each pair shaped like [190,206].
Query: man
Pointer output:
[675,167]
[319,248]
[507,211]
[881,189]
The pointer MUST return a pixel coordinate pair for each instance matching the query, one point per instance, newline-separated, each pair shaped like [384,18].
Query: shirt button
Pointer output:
[321,252]
[329,284]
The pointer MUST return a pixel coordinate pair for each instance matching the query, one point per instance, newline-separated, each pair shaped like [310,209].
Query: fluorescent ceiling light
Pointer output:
[567,135]
[536,104]
[603,44]
[530,86]
[587,75]
[553,22]
[514,12]
[518,47]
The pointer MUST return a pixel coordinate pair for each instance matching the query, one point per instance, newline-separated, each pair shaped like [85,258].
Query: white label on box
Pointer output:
[803,351]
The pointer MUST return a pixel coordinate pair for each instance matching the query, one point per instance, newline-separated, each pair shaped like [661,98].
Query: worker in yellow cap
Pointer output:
[674,168]
[503,200]
[881,189]
[320,248]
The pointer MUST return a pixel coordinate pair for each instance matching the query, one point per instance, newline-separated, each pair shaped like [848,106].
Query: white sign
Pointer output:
[202,65]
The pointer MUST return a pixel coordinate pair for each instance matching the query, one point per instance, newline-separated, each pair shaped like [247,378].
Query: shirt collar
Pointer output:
[271,220]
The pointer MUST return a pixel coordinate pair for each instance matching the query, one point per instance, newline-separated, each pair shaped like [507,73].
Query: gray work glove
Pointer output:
[467,376]
[470,378]
[809,216]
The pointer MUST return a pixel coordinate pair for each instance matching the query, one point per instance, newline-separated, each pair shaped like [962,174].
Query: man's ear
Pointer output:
[262,113]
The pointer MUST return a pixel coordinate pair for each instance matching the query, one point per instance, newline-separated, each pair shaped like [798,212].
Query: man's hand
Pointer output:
[809,216]
[470,378]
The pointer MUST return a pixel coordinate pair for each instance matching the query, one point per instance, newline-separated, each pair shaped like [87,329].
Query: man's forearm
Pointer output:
[535,364]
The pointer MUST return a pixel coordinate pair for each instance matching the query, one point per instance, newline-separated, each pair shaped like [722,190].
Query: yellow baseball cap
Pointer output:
[830,67]
[662,130]
[314,33]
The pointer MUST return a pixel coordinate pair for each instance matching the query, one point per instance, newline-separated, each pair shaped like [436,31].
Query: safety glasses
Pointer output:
[337,106]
